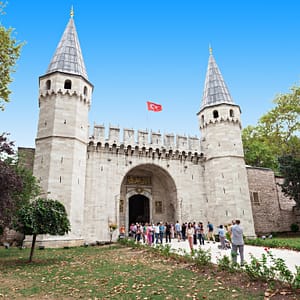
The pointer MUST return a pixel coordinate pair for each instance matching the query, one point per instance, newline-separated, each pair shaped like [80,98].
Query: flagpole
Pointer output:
[148,119]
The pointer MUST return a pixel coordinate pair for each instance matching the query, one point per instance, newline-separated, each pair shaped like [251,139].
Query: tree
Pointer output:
[289,167]
[10,50]
[257,151]
[42,216]
[10,183]
[276,134]
[17,184]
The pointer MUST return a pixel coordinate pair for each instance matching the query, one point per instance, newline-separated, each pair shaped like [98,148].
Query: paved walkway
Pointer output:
[291,258]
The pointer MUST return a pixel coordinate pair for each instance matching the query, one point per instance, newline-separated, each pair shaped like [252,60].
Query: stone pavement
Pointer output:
[291,258]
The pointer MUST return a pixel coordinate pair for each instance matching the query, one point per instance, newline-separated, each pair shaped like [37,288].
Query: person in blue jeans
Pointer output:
[161,232]
[201,233]
[237,241]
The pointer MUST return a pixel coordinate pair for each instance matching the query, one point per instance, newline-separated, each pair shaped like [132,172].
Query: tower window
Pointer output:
[202,120]
[85,91]
[68,84]
[231,113]
[255,198]
[48,84]
[215,114]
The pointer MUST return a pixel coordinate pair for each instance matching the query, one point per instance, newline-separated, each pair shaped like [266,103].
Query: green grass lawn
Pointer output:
[292,243]
[119,272]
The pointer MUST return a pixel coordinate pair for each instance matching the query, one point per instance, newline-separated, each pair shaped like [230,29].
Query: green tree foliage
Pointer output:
[276,134]
[10,50]
[10,183]
[17,184]
[256,149]
[43,216]
[289,167]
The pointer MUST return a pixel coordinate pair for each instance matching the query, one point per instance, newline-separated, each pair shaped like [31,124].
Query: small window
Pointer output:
[231,113]
[68,84]
[255,199]
[158,207]
[216,114]
[85,91]
[48,84]
[202,120]
[121,208]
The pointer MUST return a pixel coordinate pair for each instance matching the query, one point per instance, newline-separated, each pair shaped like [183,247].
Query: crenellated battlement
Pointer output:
[142,141]
[47,93]
[220,120]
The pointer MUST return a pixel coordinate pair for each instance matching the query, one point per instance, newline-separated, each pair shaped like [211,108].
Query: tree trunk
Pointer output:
[32,247]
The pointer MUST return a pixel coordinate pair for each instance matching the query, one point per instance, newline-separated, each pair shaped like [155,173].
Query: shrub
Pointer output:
[226,264]
[202,257]
[294,227]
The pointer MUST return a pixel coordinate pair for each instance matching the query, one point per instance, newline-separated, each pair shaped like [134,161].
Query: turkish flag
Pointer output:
[153,106]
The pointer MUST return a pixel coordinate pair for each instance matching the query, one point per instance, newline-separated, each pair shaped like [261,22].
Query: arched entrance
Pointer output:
[148,194]
[139,209]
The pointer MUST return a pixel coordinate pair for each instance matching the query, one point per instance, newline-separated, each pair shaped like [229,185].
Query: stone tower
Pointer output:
[227,191]
[61,142]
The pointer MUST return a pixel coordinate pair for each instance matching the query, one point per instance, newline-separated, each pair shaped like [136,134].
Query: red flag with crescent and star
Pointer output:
[154,106]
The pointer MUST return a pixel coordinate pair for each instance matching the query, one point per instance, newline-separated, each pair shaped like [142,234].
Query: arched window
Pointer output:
[216,114]
[231,113]
[68,84]
[85,91]
[48,84]
[202,120]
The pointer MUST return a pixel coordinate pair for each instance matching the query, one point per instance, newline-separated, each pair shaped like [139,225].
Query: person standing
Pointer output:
[237,241]
[156,233]
[190,235]
[183,230]
[201,233]
[178,230]
[221,233]
[161,232]
[168,232]
[195,226]
[210,233]
[230,226]
[122,232]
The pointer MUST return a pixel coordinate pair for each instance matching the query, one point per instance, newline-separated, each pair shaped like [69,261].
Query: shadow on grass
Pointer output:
[20,262]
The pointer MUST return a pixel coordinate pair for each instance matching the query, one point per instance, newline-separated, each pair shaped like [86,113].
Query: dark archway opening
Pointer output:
[139,209]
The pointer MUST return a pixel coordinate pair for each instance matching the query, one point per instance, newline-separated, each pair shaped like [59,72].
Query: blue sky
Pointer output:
[139,51]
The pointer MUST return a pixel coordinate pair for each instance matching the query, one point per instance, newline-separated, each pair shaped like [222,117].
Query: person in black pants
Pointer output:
[168,232]
[183,228]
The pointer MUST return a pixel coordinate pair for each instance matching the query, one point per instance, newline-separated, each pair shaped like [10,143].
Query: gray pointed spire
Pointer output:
[215,89]
[67,57]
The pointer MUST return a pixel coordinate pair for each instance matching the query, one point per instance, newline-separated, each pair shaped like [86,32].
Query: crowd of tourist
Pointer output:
[194,233]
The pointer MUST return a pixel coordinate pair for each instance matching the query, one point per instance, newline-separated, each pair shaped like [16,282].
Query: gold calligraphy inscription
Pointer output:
[137,180]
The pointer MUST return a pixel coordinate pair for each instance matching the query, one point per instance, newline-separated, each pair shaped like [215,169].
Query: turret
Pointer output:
[225,171]
[61,143]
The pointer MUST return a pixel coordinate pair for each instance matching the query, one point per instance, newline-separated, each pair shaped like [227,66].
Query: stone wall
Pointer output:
[272,211]
[26,157]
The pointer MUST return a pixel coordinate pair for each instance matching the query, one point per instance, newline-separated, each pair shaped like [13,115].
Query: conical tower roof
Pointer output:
[68,57]
[215,89]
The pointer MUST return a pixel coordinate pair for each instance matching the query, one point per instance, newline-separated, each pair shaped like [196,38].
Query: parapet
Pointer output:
[144,139]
